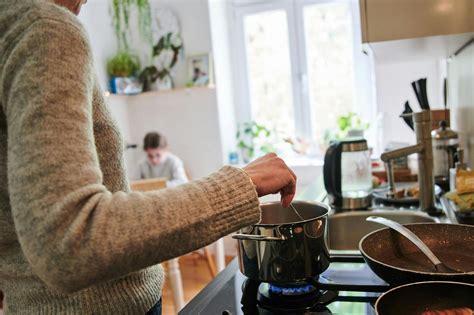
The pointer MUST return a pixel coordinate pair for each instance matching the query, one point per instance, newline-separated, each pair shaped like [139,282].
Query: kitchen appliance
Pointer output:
[348,174]
[425,297]
[445,145]
[348,286]
[282,248]
[398,261]
[271,298]
[412,237]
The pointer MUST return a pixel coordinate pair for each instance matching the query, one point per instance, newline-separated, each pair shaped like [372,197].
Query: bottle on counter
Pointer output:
[233,158]
[459,166]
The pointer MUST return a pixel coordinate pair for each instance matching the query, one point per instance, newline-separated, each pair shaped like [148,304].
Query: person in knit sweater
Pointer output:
[73,238]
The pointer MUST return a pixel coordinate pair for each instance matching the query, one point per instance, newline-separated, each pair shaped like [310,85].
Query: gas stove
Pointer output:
[348,288]
[300,298]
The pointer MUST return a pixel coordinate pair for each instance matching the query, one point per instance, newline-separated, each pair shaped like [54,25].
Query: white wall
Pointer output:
[188,118]
[397,64]
[461,98]
[96,20]
[184,117]
[221,44]
[195,30]
[394,88]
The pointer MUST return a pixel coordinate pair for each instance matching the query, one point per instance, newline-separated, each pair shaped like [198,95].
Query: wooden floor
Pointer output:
[196,276]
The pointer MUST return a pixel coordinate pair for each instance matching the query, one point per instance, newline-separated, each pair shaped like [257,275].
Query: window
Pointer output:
[301,64]
[269,69]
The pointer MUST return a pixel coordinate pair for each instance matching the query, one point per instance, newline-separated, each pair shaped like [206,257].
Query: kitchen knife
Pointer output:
[424,94]
[415,87]
[408,120]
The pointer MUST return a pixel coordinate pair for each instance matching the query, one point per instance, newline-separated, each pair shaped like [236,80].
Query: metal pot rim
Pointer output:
[312,203]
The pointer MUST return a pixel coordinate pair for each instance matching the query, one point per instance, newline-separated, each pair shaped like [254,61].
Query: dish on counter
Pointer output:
[464,202]
[404,196]
[462,205]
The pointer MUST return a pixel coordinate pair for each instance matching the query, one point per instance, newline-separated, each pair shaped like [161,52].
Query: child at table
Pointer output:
[160,162]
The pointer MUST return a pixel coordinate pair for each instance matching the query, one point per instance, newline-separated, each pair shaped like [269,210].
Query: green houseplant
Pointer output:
[165,56]
[121,14]
[347,124]
[253,138]
[123,64]
[122,68]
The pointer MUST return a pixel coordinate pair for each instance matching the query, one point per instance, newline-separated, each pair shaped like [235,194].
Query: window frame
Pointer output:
[302,108]
[245,113]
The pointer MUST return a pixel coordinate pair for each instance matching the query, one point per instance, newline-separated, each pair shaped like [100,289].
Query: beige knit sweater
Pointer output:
[73,238]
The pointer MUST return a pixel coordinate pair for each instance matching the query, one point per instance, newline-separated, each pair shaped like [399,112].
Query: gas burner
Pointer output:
[291,290]
[294,299]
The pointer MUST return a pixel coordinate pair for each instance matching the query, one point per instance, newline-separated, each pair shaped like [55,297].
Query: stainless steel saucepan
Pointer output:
[282,248]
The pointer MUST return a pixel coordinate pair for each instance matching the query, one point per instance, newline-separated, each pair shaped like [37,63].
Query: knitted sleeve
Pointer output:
[72,230]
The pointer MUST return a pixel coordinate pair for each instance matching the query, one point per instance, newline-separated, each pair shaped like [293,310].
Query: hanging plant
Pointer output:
[253,138]
[121,13]
[144,20]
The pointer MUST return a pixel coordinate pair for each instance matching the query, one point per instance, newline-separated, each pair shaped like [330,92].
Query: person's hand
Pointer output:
[271,175]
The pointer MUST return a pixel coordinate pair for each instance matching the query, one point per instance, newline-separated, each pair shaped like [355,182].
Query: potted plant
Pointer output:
[349,126]
[165,57]
[253,139]
[122,69]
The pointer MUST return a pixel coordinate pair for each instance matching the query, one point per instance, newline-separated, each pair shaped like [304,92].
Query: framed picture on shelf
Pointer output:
[200,71]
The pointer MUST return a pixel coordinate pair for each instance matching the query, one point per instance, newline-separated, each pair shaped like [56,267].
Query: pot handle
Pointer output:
[252,237]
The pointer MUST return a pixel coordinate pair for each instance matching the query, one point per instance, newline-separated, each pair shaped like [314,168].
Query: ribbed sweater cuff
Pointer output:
[232,193]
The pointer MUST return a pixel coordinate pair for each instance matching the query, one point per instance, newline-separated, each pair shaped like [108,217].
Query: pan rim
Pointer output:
[454,275]
[377,302]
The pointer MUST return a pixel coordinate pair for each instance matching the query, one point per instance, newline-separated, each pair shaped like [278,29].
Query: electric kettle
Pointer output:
[348,174]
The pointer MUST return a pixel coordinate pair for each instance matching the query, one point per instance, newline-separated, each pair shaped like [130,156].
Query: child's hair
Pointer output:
[154,140]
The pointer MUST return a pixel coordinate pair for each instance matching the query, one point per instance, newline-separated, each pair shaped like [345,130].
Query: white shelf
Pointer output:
[171,91]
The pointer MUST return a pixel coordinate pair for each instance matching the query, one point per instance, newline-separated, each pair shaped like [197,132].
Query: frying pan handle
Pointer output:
[252,237]
[349,283]
[346,257]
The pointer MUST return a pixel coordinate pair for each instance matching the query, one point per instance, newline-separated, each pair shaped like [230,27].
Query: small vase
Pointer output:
[164,84]
[125,85]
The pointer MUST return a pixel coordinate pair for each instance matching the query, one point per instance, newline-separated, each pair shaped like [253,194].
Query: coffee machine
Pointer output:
[348,174]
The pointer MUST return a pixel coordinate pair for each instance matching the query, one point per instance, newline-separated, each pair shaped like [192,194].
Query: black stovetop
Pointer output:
[356,284]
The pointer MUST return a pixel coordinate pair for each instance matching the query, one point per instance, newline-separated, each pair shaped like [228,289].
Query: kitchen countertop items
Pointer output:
[427,298]
[283,248]
[439,265]
[419,87]
[408,120]
[398,261]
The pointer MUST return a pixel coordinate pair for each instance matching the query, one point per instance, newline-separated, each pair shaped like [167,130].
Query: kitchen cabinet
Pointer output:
[383,20]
